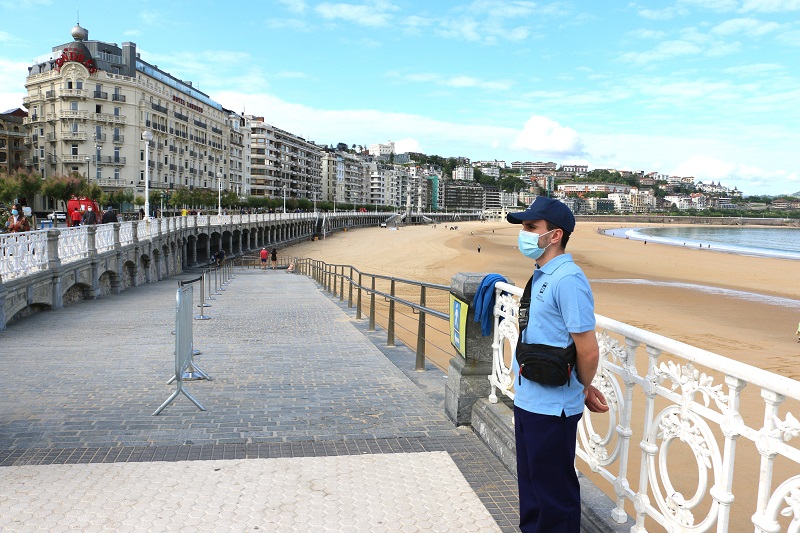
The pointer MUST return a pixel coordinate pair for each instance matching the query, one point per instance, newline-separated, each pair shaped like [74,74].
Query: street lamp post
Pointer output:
[284,199]
[87,169]
[147,136]
[219,193]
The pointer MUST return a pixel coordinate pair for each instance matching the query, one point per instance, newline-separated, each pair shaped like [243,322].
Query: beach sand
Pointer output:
[754,332]
[749,328]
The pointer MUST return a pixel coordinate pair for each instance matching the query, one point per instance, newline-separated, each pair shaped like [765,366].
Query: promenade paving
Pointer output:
[311,424]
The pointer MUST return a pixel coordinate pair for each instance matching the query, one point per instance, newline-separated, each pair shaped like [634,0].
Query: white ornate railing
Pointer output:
[104,237]
[126,232]
[687,403]
[73,244]
[23,253]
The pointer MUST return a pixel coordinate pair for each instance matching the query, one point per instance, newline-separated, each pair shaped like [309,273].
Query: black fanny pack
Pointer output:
[546,365]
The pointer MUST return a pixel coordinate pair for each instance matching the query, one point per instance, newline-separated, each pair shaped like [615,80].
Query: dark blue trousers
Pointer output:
[549,493]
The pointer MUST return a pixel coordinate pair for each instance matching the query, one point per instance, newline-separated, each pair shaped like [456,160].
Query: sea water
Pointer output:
[777,242]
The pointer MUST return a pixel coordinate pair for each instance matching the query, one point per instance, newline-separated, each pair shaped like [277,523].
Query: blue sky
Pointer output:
[703,88]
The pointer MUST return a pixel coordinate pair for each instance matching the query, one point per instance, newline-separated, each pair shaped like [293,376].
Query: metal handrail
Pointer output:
[333,277]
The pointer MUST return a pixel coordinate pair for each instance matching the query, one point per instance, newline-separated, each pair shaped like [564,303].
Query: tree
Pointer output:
[230,199]
[60,187]
[8,188]
[28,185]
[181,197]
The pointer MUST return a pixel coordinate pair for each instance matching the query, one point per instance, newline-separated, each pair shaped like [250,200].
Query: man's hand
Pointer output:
[595,401]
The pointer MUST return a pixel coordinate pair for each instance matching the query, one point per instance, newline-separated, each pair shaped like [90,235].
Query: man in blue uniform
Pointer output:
[545,416]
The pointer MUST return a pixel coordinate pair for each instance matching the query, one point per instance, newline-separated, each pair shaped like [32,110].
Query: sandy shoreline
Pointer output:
[755,332]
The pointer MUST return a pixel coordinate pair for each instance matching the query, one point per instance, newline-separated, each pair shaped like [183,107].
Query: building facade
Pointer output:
[14,140]
[89,104]
[282,164]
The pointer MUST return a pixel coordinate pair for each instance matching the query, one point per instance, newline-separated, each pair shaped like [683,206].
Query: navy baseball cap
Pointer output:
[544,208]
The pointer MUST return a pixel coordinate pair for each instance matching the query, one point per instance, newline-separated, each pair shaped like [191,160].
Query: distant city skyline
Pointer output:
[684,87]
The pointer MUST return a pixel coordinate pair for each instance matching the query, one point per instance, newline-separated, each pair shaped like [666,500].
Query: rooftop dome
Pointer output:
[79,33]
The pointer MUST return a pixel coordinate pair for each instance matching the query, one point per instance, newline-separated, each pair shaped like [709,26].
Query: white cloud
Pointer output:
[376,13]
[749,27]
[770,6]
[295,6]
[546,136]
[792,38]
[132,33]
[406,145]
[647,34]
[457,82]
[664,51]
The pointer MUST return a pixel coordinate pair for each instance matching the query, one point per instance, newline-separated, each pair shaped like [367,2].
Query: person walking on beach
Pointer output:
[479,248]
[264,258]
[274,258]
[798,332]
[546,416]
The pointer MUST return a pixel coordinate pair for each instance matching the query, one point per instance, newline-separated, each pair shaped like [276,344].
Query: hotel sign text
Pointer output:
[187,104]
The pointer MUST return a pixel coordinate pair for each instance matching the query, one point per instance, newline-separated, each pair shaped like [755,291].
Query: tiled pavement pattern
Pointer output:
[299,390]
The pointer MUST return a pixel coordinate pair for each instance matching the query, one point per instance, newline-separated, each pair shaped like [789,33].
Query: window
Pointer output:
[117,174]
[73,106]
[117,111]
[116,155]
[73,150]
[79,84]
[73,127]
[98,108]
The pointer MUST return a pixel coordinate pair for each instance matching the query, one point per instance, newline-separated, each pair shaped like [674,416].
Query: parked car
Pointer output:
[57,216]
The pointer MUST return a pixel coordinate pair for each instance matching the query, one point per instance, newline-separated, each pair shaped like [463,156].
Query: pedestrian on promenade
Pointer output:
[109,216]
[274,258]
[89,217]
[17,222]
[560,321]
[264,255]
[76,217]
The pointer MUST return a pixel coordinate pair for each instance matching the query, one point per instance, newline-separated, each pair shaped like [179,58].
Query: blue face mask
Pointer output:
[529,244]
[14,212]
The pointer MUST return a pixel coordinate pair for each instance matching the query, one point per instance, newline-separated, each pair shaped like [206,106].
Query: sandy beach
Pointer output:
[760,332]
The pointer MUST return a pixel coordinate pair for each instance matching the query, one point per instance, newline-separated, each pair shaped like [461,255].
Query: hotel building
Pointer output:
[89,103]
[13,139]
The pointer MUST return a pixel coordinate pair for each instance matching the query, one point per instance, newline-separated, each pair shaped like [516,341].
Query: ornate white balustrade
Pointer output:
[675,414]
[126,232]
[23,253]
[104,237]
[73,244]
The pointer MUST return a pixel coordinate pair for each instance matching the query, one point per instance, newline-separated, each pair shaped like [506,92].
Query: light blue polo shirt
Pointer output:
[561,303]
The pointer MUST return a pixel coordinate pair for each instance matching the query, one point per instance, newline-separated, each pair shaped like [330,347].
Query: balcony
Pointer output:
[179,116]
[101,137]
[119,138]
[159,108]
[117,97]
[173,167]
[172,148]
[101,94]
[111,182]
[27,140]
[30,119]
[50,95]
[73,93]
[30,161]
[80,115]
[73,136]
[200,124]
[216,130]
[109,160]
[74,159]
[107,117]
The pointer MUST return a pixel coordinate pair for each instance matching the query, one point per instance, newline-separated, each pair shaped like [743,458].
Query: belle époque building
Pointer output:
[89,103]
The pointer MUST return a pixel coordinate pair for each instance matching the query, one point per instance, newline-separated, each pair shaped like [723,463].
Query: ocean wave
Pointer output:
[730,293]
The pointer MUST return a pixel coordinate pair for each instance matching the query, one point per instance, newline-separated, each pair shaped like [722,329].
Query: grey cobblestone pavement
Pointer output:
[309,425]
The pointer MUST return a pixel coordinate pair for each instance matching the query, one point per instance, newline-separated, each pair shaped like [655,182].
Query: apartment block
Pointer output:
[14,140]
[282,163]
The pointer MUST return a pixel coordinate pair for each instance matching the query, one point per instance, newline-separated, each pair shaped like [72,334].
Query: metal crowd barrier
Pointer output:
[184,345]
